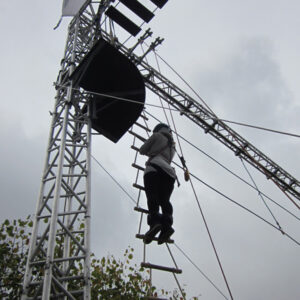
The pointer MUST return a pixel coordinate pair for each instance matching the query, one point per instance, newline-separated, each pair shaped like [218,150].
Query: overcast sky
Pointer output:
[242,57]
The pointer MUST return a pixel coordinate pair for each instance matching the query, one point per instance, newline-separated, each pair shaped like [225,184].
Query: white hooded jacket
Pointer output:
[160,148]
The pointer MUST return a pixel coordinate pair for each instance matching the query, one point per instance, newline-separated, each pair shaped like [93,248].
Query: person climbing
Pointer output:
[159,179]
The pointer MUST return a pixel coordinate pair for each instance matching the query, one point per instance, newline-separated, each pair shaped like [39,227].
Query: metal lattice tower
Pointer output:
[60,241]
[59,254]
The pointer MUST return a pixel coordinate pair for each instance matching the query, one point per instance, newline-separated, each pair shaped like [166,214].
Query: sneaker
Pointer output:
[151,233]
[165,235]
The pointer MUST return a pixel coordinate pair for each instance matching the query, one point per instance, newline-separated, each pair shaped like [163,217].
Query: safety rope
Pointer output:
[181,157]
[187,178]
[161,102]
[211,239]
[173,123]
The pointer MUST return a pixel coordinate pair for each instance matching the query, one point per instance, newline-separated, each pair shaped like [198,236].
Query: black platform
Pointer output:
[106,71]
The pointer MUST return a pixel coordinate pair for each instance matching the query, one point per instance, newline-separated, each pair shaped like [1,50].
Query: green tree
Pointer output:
[14,242]
[111,278]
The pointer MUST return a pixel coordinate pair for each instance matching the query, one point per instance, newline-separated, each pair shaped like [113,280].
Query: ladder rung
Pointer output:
[161,268]
[138,167]
[137,136]
[138,186]
[135,148]
[141,237]
[155,298]
[144,117]
[142,126]
[143,210]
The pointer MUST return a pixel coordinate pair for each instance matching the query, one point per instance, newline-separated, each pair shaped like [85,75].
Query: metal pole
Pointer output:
[38,207]
[53,223]
[87,230]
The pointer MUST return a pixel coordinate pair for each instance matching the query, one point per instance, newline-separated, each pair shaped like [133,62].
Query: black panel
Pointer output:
[123,21]
[139,9]
[159,3]
[105,70]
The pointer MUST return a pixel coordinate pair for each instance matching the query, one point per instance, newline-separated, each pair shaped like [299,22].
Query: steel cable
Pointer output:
[175,110]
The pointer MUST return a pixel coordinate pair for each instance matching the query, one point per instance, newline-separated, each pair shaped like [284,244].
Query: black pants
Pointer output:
[159,187]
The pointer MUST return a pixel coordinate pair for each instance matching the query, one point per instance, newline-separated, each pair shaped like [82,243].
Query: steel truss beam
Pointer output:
[210,123]
[219,130]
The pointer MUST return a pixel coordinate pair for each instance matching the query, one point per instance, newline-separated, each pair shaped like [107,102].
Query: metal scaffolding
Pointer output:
[59,256]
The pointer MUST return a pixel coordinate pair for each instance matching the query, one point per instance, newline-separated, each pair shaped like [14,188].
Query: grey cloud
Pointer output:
[248,86]
[21,162]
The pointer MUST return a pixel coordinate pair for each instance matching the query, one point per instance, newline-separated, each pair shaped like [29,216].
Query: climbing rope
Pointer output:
[211,239]
[187,178]
[161,102]
[183,162]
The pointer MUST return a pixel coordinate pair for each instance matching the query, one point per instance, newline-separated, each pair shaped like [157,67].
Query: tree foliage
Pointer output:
[14,242]
[111,279]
